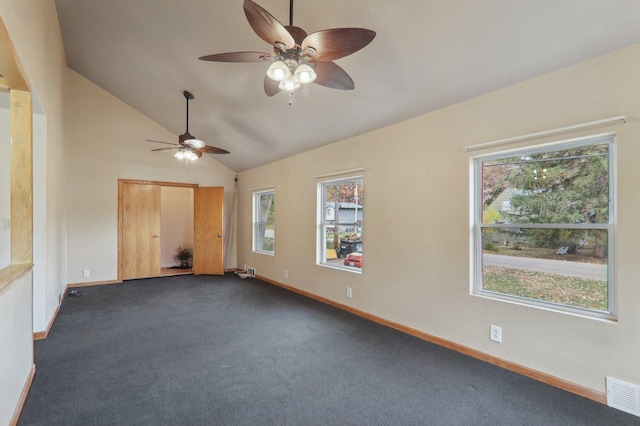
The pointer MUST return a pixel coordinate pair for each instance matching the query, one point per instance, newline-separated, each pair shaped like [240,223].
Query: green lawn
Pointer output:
[573,291]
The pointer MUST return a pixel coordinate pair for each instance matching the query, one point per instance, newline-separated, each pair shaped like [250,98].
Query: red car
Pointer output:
[354,259]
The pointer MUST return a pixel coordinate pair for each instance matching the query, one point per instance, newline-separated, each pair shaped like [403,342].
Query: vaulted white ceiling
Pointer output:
[427,54]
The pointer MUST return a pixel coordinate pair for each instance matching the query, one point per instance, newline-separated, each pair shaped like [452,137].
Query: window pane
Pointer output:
[266,237]
[567,186]
[563,266]
[342,214]
[344,202]
[264,231]
[266,207]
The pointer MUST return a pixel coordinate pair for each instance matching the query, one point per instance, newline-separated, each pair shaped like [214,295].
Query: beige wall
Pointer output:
[33,29]
[16,350]
[416,224]
[106,140]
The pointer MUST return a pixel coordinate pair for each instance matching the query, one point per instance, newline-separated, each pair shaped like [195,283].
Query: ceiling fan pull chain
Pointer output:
[290,98]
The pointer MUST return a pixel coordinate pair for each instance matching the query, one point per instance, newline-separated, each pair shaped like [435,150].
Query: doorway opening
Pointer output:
[176,230]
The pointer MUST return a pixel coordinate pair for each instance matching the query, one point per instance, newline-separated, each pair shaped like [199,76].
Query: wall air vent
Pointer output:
[623,396]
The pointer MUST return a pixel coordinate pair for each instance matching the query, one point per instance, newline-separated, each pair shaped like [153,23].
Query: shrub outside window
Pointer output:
[553,246]
[340,206]
[263,221]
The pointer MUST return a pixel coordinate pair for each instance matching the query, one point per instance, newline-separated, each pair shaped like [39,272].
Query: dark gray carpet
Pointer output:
[225,351]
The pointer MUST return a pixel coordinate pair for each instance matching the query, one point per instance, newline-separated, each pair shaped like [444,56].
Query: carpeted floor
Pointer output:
[199,350]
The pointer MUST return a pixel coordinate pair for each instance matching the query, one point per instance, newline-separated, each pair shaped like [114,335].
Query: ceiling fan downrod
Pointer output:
[188,96]
[291,13]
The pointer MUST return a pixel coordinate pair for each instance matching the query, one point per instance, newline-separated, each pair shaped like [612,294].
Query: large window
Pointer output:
[341,204]
[264,233]
[553,245]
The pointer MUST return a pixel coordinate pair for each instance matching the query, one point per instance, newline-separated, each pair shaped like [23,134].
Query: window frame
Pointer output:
[321,258]
[256,240]
[477,225]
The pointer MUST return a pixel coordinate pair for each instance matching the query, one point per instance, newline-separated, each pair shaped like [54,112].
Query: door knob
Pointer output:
[220,235]
[156,236]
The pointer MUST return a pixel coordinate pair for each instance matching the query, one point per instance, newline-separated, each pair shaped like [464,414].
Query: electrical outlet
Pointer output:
[349,292]
[495,333]
[86,273]
[286,273]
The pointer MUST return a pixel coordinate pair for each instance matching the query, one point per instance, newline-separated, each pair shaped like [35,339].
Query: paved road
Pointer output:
[560,267]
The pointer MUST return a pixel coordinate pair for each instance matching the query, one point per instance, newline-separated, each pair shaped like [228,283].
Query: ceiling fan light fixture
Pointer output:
[278,70]
[186,154]
[294,47]
[196,143]
[289,85]
[304,74]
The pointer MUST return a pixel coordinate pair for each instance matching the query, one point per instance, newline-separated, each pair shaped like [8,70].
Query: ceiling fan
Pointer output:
[189,148]
[298,58]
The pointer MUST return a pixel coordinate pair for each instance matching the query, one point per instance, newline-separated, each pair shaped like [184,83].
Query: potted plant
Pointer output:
[184,256]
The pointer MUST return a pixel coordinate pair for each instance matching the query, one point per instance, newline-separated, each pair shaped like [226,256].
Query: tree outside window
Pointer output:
[264,216]
[552,246]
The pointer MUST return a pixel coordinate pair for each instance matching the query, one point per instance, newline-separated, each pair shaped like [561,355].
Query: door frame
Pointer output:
[120,207]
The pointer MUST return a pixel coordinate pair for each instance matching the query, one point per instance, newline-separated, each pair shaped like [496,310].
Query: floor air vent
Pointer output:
[623,396]
[248,273]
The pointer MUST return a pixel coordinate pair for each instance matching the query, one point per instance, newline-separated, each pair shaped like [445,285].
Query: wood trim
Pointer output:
[41,335]
[120,207]
[159,183]
[23,396]
[21,177]
[11,73]
[9,274]
[491,359]
[91,283]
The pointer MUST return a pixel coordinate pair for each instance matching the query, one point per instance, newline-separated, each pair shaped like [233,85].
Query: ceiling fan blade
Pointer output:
[297,33]
[331,75]
[238,57]
[164,149]
[166,143]
[266,26]
[337,43]
[198,152]
[212,150]
[270,87]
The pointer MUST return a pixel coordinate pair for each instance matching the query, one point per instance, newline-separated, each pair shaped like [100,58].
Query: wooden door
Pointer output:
[140,212]
[208,237]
